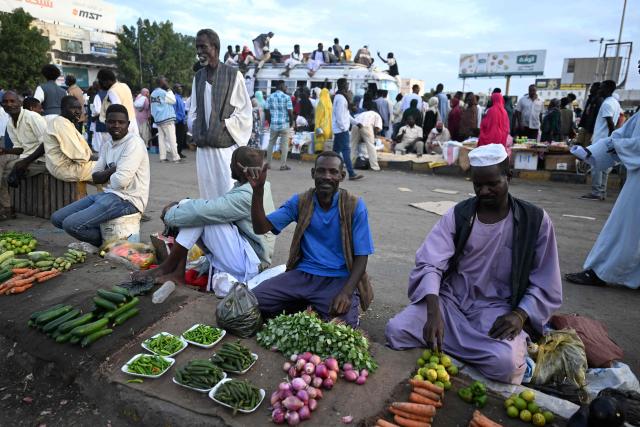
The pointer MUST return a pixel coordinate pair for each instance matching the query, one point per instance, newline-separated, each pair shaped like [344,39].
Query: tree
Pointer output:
[164,53]
[24,51]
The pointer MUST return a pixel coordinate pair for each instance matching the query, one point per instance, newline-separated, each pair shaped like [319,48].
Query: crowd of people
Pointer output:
[336,54]
[487,277]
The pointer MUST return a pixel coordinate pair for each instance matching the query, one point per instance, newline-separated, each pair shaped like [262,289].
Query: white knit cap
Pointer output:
[487,155]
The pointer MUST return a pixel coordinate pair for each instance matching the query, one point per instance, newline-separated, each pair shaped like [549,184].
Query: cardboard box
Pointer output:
[560,162]
[525,160]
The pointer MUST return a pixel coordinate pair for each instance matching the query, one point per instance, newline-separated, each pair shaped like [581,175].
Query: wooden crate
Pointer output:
[42,194]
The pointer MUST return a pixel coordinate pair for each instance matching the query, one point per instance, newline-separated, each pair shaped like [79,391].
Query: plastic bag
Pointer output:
[561,360]
[239,313]
[137,256]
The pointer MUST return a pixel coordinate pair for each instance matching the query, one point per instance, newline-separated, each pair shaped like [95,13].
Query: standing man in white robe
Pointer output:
[615,257]
[220,116]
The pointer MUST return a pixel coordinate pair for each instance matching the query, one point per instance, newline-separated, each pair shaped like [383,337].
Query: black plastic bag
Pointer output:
[362,163]
[238,313]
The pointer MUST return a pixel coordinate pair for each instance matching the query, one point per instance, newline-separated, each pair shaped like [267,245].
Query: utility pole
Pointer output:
[624,9]
[140,27]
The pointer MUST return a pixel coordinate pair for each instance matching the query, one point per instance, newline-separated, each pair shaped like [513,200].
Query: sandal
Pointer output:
[285,168]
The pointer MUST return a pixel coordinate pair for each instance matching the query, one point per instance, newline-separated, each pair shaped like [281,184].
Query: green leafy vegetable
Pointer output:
[304,331]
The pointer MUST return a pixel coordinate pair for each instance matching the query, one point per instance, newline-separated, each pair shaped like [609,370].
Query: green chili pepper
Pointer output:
[148,365]
[164,345]
[203,334]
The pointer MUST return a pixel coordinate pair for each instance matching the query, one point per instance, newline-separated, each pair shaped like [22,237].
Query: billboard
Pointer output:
[549,84]
[493,64]
[94,14]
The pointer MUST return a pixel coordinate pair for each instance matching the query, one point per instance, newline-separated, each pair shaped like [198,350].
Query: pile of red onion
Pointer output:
[294,401]
[352,375]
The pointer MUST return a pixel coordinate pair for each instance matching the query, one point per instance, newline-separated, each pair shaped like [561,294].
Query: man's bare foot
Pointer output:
[175,276]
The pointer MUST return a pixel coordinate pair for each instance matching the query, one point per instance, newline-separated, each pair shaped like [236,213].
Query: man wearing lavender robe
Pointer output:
[488,269]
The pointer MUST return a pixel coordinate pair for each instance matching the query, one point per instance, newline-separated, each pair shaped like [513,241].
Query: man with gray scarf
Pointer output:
[220,117]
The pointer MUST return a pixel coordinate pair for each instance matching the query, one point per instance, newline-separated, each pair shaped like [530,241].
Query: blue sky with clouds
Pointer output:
[426,36]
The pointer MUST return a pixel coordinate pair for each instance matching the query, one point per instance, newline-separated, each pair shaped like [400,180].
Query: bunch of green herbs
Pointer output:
[304,331]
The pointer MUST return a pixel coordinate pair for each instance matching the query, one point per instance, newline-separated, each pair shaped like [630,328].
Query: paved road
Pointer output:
[399,229]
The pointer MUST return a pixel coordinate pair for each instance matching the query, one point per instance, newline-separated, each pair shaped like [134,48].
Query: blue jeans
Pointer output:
[82,219]
[599,180]
[342,146]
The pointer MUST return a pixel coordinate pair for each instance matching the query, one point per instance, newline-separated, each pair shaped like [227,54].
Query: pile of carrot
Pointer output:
[25,278]
[421,408]
[480,420]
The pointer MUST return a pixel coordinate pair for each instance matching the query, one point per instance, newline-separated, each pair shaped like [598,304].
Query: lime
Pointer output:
[432,375]
[520,403]
[434,359]
[508,402]
[443,376]
[440,367]
[528,395]
[422,371]
[453,370]
[418,377]
[525,415]
[513,412]
[533,407]
[538,420]
[426,355]
[421,362]
[446,361]
[447,385]
[548,416]
[439,384]
[431,365]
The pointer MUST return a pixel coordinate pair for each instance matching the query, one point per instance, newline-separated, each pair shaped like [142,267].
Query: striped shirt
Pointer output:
[279,104]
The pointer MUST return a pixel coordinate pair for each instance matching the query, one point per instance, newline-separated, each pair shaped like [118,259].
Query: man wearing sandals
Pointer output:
[279,114]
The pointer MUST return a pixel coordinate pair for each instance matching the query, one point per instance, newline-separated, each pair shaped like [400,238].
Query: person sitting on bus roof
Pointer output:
[363,56]
[318,57]
[294,59]
[333,59]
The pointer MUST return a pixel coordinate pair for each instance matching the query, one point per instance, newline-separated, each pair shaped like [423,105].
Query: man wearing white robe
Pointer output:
[615,257]
[212,163]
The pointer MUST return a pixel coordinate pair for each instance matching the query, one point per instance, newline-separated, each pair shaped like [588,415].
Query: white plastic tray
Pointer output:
[184,342]
[126,366]
[201,390]
[255,359]
[197,344]
[212,393]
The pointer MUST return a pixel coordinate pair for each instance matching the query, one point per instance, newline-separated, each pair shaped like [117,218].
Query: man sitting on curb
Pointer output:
[124,166]
[224,225]
[329,250]
[487,271]
[25,129]
[67,154]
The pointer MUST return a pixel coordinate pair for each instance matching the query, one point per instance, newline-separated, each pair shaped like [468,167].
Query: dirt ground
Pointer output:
[398,230]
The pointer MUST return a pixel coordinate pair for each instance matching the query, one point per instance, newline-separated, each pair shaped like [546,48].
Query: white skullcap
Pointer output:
[487,155]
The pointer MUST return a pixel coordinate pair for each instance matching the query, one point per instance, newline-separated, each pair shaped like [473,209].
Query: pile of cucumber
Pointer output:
[18,243]
[66,323]
[8,261]
[45,261]
[115,305]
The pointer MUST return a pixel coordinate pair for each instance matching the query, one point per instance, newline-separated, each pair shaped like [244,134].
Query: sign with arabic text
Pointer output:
[493,64]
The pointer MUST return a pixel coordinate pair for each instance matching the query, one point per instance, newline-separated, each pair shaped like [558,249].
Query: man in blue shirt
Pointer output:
[164,116]
[329,250]
[279,114]
[181,120]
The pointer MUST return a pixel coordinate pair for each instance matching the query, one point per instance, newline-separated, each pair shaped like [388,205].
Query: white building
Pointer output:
[82,33]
